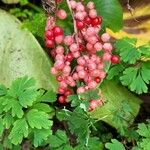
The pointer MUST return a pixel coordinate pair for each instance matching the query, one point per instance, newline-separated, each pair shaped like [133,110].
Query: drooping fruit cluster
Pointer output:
[76,56]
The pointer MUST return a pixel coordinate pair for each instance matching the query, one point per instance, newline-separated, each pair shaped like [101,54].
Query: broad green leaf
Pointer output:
[114,96]
[41,135]
[19,131]
[14,106]
[115,145]
[38,119]
[22,55]
[111,12]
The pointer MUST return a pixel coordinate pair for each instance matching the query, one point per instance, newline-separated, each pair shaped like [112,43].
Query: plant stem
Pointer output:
[36,8]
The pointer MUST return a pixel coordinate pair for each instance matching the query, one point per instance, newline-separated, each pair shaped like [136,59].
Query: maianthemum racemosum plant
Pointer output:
[80,57]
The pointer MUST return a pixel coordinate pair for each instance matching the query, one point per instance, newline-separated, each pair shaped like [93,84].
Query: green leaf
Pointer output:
[22,55]
[115,145]
[14,106]
[19,131]
[41,135]
[128,50]
[114,96]
[43,107]
[59,140]
[114,71]
[145,50]
[8,120]
[1,127]
[49,96]
[145,144]
[111,12]
[136,78]
[144,130]
[3,90]
[36,25]
[38,119]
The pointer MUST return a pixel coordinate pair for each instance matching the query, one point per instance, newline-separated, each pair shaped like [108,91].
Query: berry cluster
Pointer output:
[80,49]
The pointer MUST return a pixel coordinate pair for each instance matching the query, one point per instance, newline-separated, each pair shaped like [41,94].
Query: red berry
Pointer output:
[61,90]
[49,35]
[50,43]
[69,57]
[93,104]
[80,25]
[81,47]
[87,20]
[115,59]
[62,99]
[97,80]
[96,21]
[58,1]
[57,31]
[59,78]
[68,92]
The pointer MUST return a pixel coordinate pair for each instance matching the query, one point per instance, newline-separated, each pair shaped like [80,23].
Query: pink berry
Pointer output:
[75,76]
[68,40]
[90,5]
[50,43]
[98,46]
[90,31]
[93,13]
[62,99]
[102,74]
[82,74]
[92,40]
[59,64]
[66,69]
[76,54]
[89,47]
[107,47]
[61,14]
[73,4]
[105,37]
[79,68]
[79,16]
[61,90]
[91,66]
[93,104]
[79,7]
[107,56]
[74,47]
[100,66]
[59,50]
[59,78]
[80,90]
[92,84]
[63,84]
[68,92]
[59,57]
[59,39]
[54,71]
[81,61]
